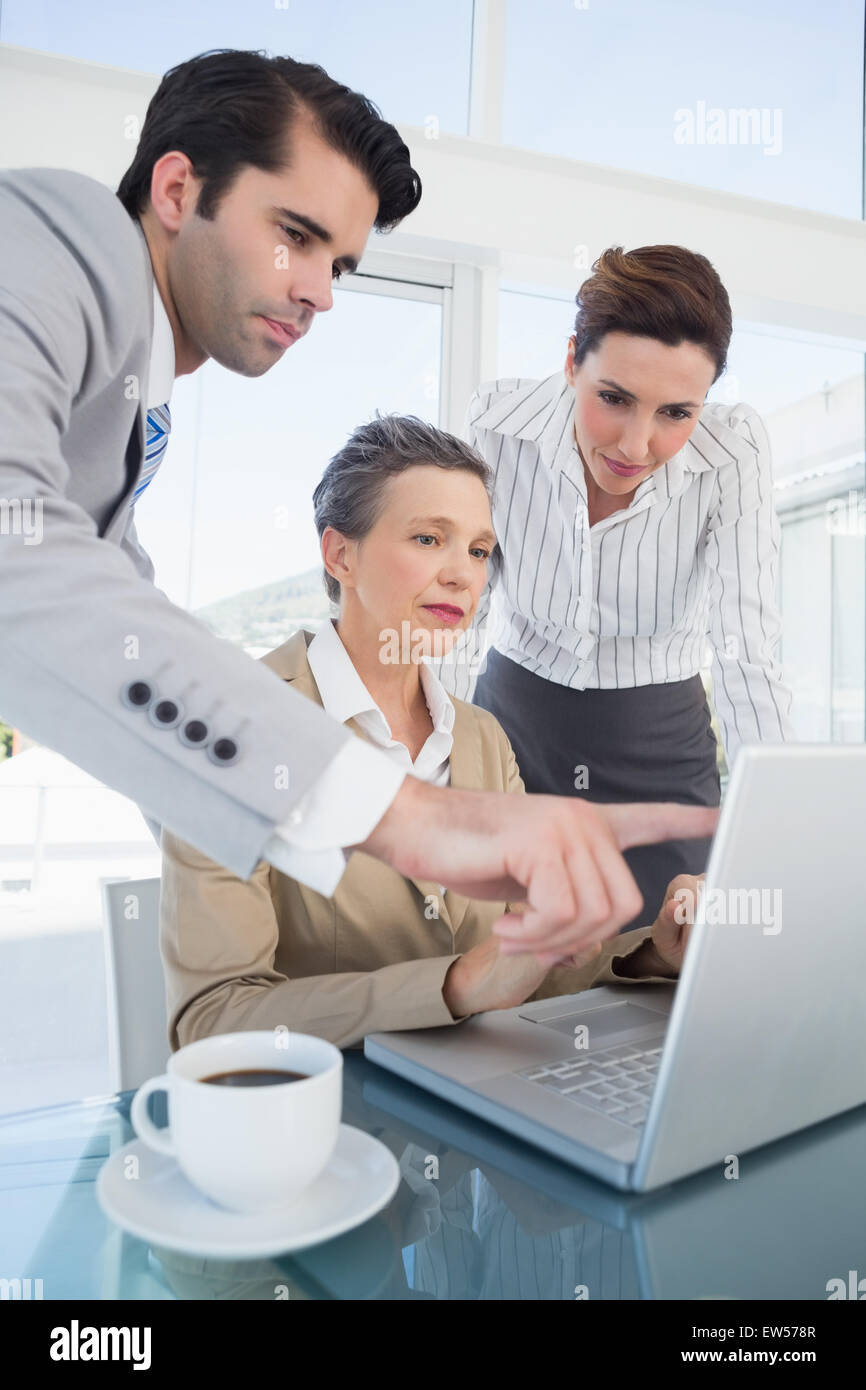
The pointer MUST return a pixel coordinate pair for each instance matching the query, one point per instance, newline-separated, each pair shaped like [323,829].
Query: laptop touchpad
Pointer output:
[602,1024]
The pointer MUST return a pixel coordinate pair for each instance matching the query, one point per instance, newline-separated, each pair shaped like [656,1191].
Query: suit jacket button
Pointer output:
[137,694]
[223,751]
[193,734]
[165,714]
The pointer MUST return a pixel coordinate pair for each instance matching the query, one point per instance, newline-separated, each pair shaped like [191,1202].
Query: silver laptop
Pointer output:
[643,1084]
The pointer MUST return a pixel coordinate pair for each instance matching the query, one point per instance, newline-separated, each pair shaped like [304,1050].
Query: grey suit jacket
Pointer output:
[84,633]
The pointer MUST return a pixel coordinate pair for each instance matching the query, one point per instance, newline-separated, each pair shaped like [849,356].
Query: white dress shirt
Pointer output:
[632,599]
[160,380]
[359,784]
[333,813]
[345,696]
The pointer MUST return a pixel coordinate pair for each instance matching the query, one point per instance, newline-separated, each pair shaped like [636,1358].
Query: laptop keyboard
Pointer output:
[616,1081]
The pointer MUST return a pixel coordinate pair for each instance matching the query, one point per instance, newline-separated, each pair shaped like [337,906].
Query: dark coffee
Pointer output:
[254,1078]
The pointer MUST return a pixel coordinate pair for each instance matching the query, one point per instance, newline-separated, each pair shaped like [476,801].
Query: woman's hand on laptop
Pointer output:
[672,928]
[560,855]
[484,978]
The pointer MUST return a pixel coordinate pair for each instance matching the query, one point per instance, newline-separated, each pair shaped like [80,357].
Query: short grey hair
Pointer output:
[349,496]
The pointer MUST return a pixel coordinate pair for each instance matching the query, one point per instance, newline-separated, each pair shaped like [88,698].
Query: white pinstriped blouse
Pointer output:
[633,599]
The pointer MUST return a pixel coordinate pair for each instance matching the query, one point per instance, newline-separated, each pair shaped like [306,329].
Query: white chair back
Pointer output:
[137,1019]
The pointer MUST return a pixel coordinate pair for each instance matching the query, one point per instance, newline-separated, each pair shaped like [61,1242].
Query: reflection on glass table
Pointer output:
[478,1215]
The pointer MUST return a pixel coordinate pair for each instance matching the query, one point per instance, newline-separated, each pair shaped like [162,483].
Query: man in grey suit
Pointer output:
[255,182]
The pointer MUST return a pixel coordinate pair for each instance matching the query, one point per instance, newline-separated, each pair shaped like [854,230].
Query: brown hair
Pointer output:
[663,292]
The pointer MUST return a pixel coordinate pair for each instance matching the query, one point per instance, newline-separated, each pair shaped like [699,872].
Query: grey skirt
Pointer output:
[640,743]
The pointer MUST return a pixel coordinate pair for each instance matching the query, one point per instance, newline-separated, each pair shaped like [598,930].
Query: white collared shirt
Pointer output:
[160,376]
[632,599]
[160,379]
[359,784]
[344,696]
[335,811]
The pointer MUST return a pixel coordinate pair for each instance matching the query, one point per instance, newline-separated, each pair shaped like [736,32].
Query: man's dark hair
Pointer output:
[229,108]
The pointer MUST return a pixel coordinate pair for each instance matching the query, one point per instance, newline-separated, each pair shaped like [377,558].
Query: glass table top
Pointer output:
[478,1215]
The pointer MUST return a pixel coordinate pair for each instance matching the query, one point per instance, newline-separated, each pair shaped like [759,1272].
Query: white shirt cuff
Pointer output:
[342,808]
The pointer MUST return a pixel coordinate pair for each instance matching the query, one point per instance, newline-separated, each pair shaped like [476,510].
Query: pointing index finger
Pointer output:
[650,822]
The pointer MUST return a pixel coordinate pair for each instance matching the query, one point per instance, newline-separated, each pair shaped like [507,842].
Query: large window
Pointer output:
[764,99]
[411,60]
[534,330]
[811,397]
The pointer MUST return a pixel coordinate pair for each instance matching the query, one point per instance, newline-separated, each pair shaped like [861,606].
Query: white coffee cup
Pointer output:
[249,1148]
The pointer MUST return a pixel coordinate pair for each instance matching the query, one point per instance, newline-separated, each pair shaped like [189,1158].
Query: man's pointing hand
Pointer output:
[561,855]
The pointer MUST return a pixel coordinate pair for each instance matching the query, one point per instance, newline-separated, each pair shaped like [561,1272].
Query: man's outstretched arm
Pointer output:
[561,855]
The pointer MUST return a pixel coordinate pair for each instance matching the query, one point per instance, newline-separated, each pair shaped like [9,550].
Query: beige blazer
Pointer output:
[268,950]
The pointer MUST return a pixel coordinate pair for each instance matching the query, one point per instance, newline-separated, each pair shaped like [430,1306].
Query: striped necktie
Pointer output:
[158,429]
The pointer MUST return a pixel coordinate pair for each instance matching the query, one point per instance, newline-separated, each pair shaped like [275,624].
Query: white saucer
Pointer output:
[162,1206]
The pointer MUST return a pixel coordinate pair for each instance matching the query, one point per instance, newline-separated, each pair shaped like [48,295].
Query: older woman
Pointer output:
[635,527]
[404,519]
